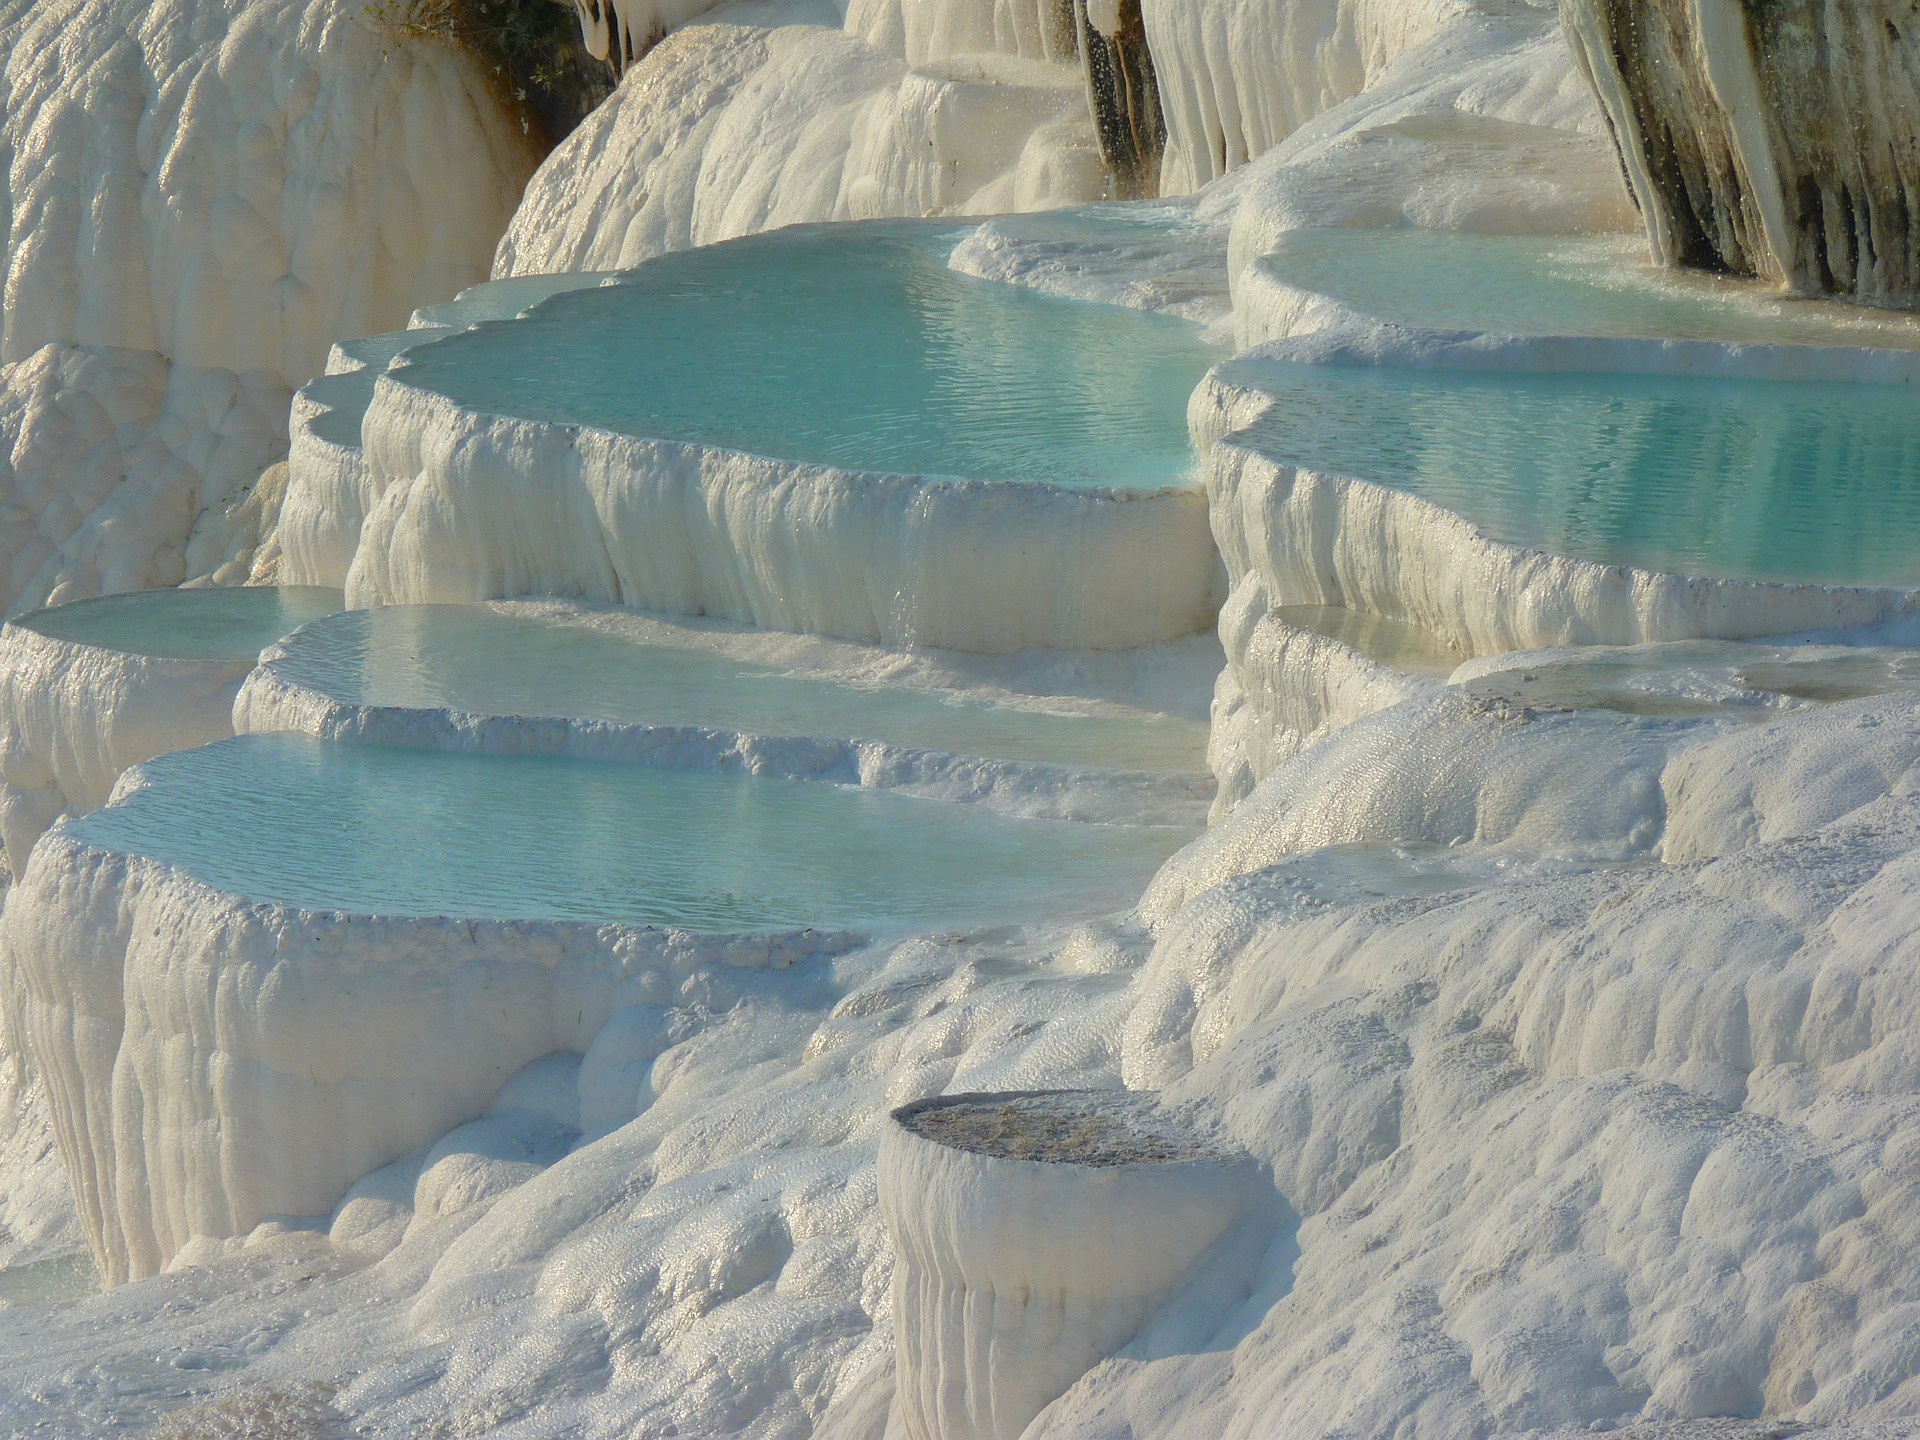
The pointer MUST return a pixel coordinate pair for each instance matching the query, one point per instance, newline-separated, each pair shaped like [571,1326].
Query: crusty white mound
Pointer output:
[199,198]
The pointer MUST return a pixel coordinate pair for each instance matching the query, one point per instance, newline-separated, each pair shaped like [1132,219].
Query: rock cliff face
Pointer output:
[1775,138]
[1123,94]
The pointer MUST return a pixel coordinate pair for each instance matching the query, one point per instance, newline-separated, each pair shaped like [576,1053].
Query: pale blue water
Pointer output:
[503,299]
[349,392]
[368,830]
[493,662]
[848,345]
[1747,479]
[212,624]
[1555,285]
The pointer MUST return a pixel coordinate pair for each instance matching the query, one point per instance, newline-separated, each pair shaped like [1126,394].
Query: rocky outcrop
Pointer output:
[1034,1232]
[1773,138]
[1123,95]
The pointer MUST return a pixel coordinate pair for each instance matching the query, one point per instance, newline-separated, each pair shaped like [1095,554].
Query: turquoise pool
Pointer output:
[846,345]
[1557,285]
[1758,480]
[232,624]
[347,393]
[300,822]
[495,661]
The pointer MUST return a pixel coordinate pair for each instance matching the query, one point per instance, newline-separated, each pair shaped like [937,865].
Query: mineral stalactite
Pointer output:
[1123,94]
[1772,138]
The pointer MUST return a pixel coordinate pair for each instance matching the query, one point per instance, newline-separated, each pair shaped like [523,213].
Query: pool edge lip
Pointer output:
[960,227]
[806,941]
[1308,313]
[269,702]
[666,526]
[138,777]
[574,431]
[20,625]
[1232,408]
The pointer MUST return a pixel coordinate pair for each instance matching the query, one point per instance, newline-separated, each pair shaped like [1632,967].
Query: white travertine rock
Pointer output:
[1287,687]
[932,32]
[1448,769]
[1306,538]
[1485,126]
[726,130]
[1237,79]
[199,199]
[211,1062]
[237,189]
[268,702]
[74,717]
[1754,788]
[622,31]
[108,456]
[1034,1234]
[683,529]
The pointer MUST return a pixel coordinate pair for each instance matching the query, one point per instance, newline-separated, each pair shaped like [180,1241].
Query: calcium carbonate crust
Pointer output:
[74,718]
[1014,1275]
[269,702]
[473,507]
[1285,690]
[730,129]
[199,199]
[1306,537]
[211,1062]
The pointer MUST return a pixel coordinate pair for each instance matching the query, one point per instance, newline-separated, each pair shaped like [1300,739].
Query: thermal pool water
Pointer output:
[207,624]
[488,660]
[1558,285]
[855,347]
[392,832]
[1735,479]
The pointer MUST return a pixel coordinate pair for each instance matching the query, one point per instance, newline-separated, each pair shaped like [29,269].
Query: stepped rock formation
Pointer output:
[1774,138]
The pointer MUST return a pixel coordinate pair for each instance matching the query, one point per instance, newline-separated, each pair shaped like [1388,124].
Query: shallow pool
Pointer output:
[302,822]
[846,345]
[1556,285]
[346,392]
[230,624]
[492,661]
[1748,479]
[1688,679]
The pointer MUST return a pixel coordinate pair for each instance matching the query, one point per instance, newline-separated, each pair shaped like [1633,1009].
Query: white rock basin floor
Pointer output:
[375,831]
[544,660]
[851,347]
[233,624]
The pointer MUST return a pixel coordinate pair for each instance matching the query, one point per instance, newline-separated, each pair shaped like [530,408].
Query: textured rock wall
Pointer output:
[681,529]
[1238,77]
[1124,95]
[198,199]
[1774,138]
[74,717]
[211,1062]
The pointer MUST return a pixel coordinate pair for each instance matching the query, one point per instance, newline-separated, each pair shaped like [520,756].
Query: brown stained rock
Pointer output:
[1774,138]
